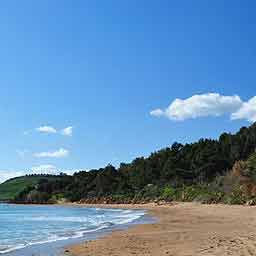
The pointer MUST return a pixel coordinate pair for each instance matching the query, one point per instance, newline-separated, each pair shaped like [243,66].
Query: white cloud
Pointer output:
[210,104]
[72,171]
[157,112]
[6,175]
[46,129]
[45,169]
[247,111]
[55,154]
[50,169]
[41,169]
[68,131]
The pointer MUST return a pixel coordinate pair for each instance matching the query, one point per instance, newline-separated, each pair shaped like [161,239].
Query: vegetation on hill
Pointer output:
[12,188]
[209,171]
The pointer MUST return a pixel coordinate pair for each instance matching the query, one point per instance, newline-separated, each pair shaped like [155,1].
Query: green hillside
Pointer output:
[221,170]
[13,187]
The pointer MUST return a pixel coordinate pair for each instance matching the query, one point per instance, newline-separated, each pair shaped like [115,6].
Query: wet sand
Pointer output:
[183,229]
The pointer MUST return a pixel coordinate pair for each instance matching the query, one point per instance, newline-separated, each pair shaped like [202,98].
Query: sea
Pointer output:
[44,229]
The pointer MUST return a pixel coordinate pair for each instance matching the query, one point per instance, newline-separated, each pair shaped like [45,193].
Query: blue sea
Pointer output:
[24,226]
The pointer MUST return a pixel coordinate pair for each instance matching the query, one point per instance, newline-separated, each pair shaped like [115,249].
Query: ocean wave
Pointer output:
[92,223]
[53,238]
[8,248]
[125,214]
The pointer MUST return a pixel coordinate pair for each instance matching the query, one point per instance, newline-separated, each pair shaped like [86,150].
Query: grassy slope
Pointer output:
[12,187]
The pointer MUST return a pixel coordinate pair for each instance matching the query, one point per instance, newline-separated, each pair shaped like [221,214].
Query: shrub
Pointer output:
[209,197]
[190,193]
[148,193]
[168,193]
[235,197]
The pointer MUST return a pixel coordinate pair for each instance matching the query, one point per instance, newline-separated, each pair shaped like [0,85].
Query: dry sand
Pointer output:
[184,229]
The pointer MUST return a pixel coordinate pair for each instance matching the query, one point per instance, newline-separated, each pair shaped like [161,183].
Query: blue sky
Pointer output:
[101,67]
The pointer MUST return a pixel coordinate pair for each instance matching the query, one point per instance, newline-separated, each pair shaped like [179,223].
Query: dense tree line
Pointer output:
[195,164]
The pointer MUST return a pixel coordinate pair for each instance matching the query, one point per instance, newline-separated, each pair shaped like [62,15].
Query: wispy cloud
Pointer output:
[45,169]
[6,175]
[55,154]
[50,169]
[157,112]
[46,129]
[22,153]
[68,131]
[202,105]
[26,133]
[40,169]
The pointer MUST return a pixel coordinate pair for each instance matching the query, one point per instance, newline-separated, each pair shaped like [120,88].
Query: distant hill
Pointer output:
[13,187]
[211,171]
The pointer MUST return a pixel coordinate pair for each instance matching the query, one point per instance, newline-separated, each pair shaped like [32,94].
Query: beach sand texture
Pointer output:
[184,229]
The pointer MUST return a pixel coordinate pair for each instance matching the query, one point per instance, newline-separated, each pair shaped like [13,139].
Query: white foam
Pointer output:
[123,217]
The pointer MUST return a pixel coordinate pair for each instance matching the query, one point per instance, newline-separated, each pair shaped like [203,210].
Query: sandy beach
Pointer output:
[183,229]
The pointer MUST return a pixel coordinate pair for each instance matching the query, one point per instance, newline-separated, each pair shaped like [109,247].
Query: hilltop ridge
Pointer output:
[222,170]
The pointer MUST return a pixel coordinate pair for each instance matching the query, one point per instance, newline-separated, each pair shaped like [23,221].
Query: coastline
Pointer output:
[182,229]
[123,220]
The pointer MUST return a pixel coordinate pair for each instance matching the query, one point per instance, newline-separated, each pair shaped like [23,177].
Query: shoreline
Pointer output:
[182,229]
[56,247]
[175,229]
